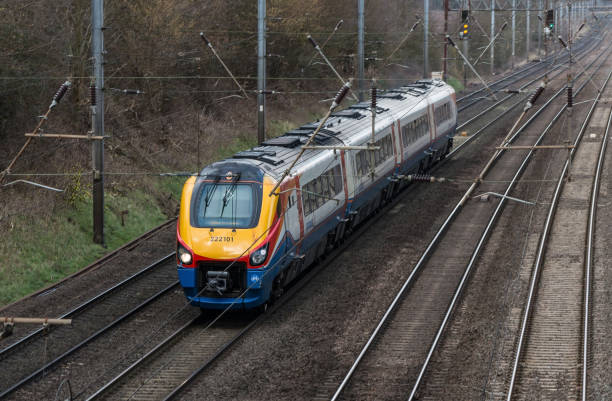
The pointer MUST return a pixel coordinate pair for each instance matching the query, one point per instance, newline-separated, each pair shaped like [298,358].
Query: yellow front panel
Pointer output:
[226,243]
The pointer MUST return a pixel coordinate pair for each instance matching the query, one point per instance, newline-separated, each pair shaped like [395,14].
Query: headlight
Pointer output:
[259,256]
[184,255]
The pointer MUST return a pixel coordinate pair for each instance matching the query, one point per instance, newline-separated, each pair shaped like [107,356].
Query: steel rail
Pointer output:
[514,74]
[141,360]
[309,276]
[88,303]
[226,346]
[475,134]
[292,291]
[86,341]
[96,263]
[478,248]
[296,286]
[429,250]
[589,256]
[508,97]
[542,246]
[561,62]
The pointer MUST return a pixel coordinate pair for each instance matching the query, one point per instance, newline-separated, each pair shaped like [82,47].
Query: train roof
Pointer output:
[350,126]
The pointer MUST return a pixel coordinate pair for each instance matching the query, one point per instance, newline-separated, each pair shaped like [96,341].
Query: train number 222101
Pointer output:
[221,239]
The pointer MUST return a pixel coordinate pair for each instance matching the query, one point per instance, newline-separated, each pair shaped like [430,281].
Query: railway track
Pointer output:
[395,357]
[551,358]
[169,368]
[70,345]
[29,357]
[165,370]
[516,77]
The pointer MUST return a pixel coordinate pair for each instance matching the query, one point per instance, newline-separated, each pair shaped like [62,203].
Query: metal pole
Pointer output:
[540,32]
[360,49]
[560,21]
[466,52]
[528,31]
[261,71]
[513,31]
[444,64]
[570,82]
[492,51]
[97,147]
[426,39]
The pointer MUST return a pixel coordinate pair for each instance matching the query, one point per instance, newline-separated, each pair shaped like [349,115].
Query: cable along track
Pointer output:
[552,351]
[395,358]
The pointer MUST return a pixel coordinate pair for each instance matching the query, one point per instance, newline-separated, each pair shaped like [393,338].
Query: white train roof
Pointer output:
[351,126]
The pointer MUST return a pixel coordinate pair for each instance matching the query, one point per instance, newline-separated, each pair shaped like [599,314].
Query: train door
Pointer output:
[292,216]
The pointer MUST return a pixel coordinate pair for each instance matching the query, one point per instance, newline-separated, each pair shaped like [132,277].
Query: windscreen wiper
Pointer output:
[229,192]
[210,193]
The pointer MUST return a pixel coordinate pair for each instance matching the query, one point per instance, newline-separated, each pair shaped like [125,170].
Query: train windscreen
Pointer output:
[226,205]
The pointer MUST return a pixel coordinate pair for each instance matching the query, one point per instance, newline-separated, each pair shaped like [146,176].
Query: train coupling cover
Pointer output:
[217,281]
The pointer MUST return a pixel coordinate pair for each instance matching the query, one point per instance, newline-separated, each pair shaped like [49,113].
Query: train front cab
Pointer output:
[224,252]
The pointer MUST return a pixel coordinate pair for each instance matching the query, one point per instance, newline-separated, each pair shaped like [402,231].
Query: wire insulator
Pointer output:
[423,178]
[562,42]
[341,94]
[373,97]
[536,95]
[92,94]
[312,41]
[450,41]
[205,39]
[60,93]
[570,98]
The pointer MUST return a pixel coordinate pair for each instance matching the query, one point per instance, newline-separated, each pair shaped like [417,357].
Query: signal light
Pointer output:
[465,29]
[550,19]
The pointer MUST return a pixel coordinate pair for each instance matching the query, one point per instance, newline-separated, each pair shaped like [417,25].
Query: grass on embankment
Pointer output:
[41,251]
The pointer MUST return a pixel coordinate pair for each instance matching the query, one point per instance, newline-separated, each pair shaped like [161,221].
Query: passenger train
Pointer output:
[238,244]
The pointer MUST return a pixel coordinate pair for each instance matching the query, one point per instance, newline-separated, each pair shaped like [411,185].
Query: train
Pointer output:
[243,236]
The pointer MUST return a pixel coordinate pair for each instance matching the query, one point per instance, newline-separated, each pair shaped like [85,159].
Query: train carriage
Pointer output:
[238,245]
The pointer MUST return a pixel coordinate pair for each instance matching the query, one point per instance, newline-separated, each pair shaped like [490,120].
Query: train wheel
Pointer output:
[263,308]
[277,286]
[421,169]
[447,149]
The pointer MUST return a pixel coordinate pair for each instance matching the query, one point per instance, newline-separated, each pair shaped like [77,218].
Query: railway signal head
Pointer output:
[465,29]
[550,19]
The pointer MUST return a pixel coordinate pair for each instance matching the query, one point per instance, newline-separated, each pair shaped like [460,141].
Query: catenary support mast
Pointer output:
[426,39]
[360,49]
[261,71]
[97,147]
